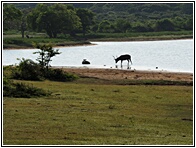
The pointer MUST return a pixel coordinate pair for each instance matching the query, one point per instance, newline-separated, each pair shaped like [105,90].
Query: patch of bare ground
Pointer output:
[117,74]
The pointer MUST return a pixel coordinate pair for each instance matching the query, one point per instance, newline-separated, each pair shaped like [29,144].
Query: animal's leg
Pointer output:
[130,61]
[128,64]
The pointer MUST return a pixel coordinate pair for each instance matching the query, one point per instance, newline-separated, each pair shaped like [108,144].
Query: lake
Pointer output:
[167,55]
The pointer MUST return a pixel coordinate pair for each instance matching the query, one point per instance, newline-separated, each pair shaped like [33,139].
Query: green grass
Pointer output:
[15,40]
[88,112]
[134,36]
[18,42]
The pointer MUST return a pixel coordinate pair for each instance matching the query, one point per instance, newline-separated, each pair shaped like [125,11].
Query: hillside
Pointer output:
[139,10]
[100,18]
[131,11]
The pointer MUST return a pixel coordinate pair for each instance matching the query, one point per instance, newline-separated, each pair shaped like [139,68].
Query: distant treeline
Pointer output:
[83,18]
[141,17]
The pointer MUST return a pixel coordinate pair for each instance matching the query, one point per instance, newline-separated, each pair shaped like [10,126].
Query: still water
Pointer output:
[168,55]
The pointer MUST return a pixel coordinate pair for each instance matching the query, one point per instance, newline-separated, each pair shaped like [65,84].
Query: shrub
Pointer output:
[27,70]
[21,90]
[60,75]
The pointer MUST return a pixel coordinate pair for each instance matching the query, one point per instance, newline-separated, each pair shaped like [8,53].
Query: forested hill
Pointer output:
[132,11]
[140,12]
[134,17]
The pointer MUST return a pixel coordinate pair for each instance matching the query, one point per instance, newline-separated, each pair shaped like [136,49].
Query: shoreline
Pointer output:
[103,40]
[129,70]
[31,48]
[123,74]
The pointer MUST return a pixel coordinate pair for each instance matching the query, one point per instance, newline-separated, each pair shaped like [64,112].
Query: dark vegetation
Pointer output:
[30,70]
[91,18]
[21,90]
[122,17]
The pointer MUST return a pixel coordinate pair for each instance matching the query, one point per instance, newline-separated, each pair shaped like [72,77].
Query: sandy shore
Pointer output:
[112,74]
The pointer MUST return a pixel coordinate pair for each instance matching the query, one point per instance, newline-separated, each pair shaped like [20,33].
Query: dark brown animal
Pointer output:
[85,62]
[122,58]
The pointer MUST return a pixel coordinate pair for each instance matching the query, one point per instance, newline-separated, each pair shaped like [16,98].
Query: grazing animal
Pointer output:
[122,58]
[85,62]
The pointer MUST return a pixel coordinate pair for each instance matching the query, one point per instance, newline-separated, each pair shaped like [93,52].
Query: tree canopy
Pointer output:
[86,17]
[73,18]
[53,19]
[11,16]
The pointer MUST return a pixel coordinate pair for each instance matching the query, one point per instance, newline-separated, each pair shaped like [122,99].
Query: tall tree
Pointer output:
[11,16]
[53,19]
[122,25]
[164,25]
[86,17]
[105,27]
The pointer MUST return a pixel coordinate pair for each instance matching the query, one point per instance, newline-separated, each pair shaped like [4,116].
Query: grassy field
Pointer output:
[141,36]
[91,112]
[14,39]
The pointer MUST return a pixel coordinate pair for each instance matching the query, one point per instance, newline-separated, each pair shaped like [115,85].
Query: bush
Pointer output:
[21,90]
[60,75]
[27,70]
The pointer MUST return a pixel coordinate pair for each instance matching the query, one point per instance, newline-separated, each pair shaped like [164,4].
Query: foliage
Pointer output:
[120,17]
[27,70]
[122,25]
[134,36]
[45,54]
[60,75]
[164,25]
[86,17]
[105,26]
[15,40]
[21,90]
[11,17]
[54,19]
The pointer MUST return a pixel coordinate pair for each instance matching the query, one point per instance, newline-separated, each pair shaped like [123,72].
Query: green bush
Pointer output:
[21,90]
[60,75]
[27,70]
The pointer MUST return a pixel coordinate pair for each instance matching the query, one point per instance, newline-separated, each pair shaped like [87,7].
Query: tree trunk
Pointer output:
[23,29]
[22,33]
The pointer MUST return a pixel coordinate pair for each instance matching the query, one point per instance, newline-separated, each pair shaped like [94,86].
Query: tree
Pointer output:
[139,27]
[24,21]
[164,25]
[54,19]
[189,24]
[46,53]
[86,17]
[105,27]
[122,25]
[11,16]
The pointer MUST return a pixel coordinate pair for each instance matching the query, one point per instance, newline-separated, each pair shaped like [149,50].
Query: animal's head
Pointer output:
[116,59]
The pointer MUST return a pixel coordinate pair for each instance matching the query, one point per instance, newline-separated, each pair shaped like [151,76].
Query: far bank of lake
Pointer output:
[16,42]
